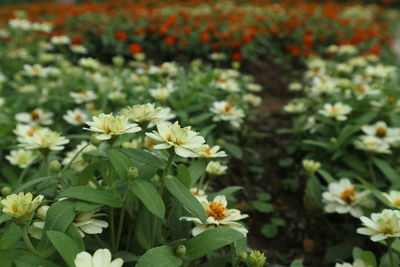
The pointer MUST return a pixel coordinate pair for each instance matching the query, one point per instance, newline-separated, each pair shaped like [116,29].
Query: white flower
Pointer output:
[323,85]
[198,193]
[165,114]
[21,158]
[381,225]
[253,87]
[170,68]
[60,40]
[226,112]
[160,94]
[89,63]
[20,24]
[78,163]
[382,131]
[226,84]
[218,56]
[78,49]
[42,27]
[85,223]
[21,207]
[44,139]
[363,90]
[23,131]
[342,197]
[216,168]
[252,99]
[295,86]
[393,197]
[108,125]
[337,111]
[35,70]
[101,258]
[218,216]
[372,144]
[142,113]
[83,96]
[356,263]
[294,107]
[205,151]
[75,117]
[183,140]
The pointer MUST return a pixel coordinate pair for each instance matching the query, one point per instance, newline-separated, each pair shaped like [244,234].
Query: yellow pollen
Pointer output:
[397,202]
[34,115]
[83,92]
[216,211]
[78,117]
[31,131]
[228,107]
[360,88]
[348,195]
[380,132]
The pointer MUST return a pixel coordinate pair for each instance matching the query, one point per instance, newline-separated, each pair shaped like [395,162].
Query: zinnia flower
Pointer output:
[337,111]
[21,158]
[21,207]
[218,216]
[44,139]
[381,225]
[108,125]
[183,140]
[102,257]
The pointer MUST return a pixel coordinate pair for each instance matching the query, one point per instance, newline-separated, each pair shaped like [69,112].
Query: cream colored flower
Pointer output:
[372,144]
[85,223]
[311,166]
[337,111]
[393,197]
[198,193]
[183,140]
[36,117]
[44,139]
[160,94]
[342,197]
[89,63]
[78,163]
[218,56]
[205,151]
[356,263]
[295,86]
[60,40]
[75,117]
[83,96]
[216,168]
[383,132]
[252,87]
[21,207]
[21,158]
[252,99]
[294,107]
[226,84]
[218,215]
[226,112]
[101,258]
[108,125]
[381,225]
[142,113]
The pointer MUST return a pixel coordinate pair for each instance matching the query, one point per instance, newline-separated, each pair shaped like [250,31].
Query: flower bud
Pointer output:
[181,251]
[118,60]
[311,166]
[140,57]
[42,211]
[133,173]
[257,259]
[6,190]
[55,166]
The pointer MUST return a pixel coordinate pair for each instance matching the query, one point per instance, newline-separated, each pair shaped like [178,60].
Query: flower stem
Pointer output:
[28,242]
[112,227]
[371,170]
[120,226]
[390,252]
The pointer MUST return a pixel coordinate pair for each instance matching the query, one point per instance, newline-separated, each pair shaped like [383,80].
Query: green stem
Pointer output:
[28,242]
[112,227]
[371,170]
[161,191]
[120,226]
[390,251]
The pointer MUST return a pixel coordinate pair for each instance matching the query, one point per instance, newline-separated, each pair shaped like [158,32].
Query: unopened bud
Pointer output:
[118,60]
[55,166]
[311,166]
[42,211]
[94,140]
[257,259]
[139,57]
[181,251]
[6,190]
[133,173]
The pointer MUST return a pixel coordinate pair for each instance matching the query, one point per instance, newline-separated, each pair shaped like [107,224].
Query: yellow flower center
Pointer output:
[387,230]
[83,92]
[348,195]
[391,99]
[397,202]
[34,115]
[228,107]
[31,131]
[78,117]
[216,211]
[360,88]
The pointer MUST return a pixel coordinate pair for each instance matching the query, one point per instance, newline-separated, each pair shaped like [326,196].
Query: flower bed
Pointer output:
[117,160]
[249,31]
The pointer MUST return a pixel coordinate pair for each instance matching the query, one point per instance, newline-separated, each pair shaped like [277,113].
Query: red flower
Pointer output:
[77,40]
[237,57]
[170,40]
[120,35]
[135,48]
[205,37]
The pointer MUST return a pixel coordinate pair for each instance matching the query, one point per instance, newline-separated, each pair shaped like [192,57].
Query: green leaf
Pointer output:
[73,233]
[366,256]
[232,149]
[30,260]
[7,257]
[312,196]
[377,193]
[6,125]
[184,176]
[197,169]
[297,263]
[143,157]
[10,237]
[64,246]
[163,256]
[93,195]
[327,177]
[200,118]
[33,182]
[263,207]
[120,162]
[88,173]
[388,171]
[210,240]
[149,196]
[58,217]
[185,197]
[321,144]
[346,132]
[278,221]
[228,191]
[269,230]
